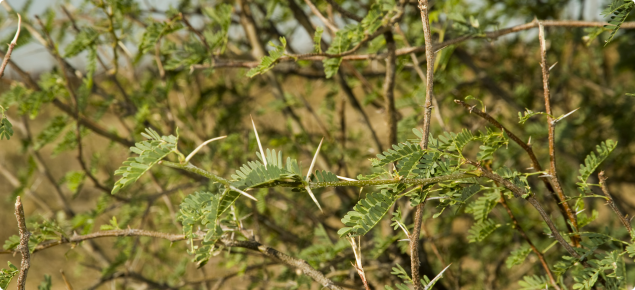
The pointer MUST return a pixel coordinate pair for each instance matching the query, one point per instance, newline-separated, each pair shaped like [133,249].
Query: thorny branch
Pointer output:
[414,238]
[611,204]
[552,139]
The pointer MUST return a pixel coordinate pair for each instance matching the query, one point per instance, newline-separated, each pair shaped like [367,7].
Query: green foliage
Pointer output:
[82,41]
[269,61]
[52,130]
[6,129]
[46,284]
[150,152]
[317,39]
[481,229]
[518,256]
[7,274]
[524,117]
[154,32]
[255,174]
[367,213]
[534,283]
[618,11]
[592,161]
[203,209]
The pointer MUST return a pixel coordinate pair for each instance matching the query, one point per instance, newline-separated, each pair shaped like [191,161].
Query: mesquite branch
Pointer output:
[23,248]
[552,139]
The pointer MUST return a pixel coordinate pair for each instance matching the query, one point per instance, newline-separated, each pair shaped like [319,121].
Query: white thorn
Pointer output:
[436,197]
[308,175]
[530,168]
[187,159]
[553,65]
[546,175]
[308,189]
[436,278]
[242,192]
[529,142]
[262,152]
[345,178]
[404,240]
[564,116]
[577,213]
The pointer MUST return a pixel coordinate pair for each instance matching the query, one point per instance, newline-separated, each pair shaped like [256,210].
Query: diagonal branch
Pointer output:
[611,204]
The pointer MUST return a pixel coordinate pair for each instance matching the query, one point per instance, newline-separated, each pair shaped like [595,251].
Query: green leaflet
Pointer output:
[592,161]
[255,174]
[534,283]
[150,152]
[154,32]
[203,209]
[618,10]
[518,256]
[480,230]
[6,129]
[398,152]
[81,42]
[267,62]
[7,274]
[317,39]
[367,213]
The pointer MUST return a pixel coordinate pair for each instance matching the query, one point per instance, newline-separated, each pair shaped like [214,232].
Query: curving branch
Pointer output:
[12,45]
[609,201]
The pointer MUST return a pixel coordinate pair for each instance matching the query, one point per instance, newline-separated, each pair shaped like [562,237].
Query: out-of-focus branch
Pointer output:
[527,147]
[520,230]
[12,45]
[611,204]
[24,244]
[389,89]
[555,182]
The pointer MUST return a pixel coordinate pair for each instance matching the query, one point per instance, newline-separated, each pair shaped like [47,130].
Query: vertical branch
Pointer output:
[12,45]
[414,239]
[24,244]
[520,230]
[611,204]
[389,89]
[552,128]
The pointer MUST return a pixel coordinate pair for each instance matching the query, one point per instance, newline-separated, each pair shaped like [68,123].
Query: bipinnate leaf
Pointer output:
[150,152]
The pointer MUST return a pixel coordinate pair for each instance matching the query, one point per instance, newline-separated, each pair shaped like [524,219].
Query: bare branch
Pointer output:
[611,204]
[24,244]
[13,43]
[552,139]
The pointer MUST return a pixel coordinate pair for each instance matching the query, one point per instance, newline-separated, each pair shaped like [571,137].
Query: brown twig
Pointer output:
[285,259]
[66,282]
[13,43]
[389,89]
[520,230]
[24,244]
[552,139]
[525,146]
[611,204]
[520,193]
[414,238]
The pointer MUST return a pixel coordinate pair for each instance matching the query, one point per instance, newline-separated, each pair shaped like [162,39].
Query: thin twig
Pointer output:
[66,282]
[344,11]
[552,139]
[520,193]
[24,244]
[324,20]
[389,89]
[414,238]
[520,230]
[611,204]
[525,146]
[13,43]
